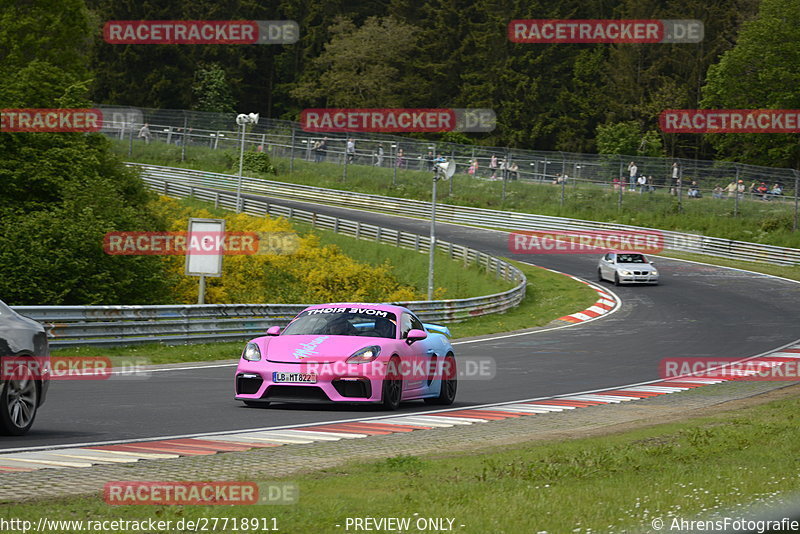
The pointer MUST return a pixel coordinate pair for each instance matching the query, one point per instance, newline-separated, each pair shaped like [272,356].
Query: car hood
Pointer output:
[636,266]
[314,348]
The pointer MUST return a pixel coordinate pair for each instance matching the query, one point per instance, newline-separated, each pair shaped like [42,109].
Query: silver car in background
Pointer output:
[627,268]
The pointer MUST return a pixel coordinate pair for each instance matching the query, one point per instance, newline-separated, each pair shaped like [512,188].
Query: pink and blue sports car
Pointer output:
[351,353]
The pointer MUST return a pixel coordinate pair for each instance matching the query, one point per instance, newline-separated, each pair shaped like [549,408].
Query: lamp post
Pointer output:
[242,120]
[432,250]
[443,170]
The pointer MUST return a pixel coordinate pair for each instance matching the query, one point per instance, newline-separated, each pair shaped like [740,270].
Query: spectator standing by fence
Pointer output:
[379,155]
[493,166]
[730,189]
[429,161]
[633,173]
[322,149]
[400,159]
[145,134]
[473,167]
[351,150]
[315,150]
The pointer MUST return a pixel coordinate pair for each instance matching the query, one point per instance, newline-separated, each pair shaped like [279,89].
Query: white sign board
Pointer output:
[203,256]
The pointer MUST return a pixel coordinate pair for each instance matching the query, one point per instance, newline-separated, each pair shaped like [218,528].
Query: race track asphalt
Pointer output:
[698,310]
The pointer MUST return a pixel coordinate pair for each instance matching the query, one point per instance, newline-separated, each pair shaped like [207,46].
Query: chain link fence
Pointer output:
[571,175]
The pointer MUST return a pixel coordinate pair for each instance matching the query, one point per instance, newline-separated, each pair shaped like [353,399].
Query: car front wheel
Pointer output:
[18,401]
[599,275]
[616,279]
[392,386]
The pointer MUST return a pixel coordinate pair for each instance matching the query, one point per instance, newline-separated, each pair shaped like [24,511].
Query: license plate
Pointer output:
[301,378]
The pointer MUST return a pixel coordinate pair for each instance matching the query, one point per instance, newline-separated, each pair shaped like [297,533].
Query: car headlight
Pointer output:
[251,352]
[654,272]
[367,354]
[626,273]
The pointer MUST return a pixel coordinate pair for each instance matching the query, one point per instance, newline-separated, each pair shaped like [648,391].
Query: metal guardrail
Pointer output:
[128,325]
[506,220]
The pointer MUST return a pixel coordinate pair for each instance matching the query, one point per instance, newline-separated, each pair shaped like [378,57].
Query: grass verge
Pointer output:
[615,482]
[549,296]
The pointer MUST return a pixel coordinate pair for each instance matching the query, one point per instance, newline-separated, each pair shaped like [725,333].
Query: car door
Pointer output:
[419,354]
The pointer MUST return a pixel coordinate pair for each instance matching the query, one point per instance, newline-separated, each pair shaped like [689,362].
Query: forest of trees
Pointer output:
[455,53]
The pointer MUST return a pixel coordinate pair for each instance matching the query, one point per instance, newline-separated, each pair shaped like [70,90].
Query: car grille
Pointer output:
[295,393]
[248,385]
[353,388]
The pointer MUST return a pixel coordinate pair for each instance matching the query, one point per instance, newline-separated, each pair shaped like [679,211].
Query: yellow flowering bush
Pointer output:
[313,273]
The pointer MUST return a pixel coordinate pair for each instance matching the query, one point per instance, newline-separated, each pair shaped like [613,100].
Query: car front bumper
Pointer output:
[638,279]
[254,382]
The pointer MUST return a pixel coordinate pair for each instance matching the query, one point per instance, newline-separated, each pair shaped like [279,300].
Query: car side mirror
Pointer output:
[416,335]
[273,331]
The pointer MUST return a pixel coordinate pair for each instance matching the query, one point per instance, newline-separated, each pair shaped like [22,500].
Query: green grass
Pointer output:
[686,469]
[548,296]
[411,268]
[757,221]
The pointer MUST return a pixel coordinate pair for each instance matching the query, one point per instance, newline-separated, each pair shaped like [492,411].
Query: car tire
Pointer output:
[447,393]
[392,389]
[600,275]
[18,401]
[616,280]
[256,404]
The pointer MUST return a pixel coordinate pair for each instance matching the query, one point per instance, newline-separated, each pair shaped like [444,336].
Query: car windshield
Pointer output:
[365,322]
[631,258]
